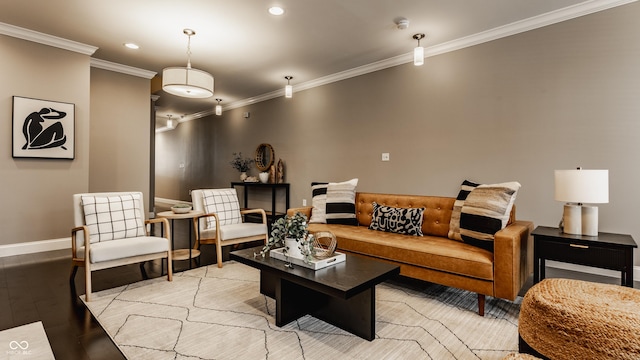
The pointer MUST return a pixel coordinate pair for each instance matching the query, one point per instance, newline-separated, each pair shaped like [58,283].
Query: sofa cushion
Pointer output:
[223,202]
[485,212]
[433,252]
[341,203]
[113,217]
[454,225]
[406,221]
[319,203]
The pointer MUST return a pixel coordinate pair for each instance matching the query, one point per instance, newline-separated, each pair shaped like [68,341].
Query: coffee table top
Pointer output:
[342,280]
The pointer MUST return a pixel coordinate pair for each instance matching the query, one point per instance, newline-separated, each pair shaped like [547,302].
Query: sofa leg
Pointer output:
[481,299]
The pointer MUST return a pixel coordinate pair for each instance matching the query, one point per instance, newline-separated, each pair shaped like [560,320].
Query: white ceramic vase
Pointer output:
[292,248]
[264,177]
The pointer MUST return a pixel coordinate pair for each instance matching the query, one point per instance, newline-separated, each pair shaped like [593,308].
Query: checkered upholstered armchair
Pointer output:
[222,223]
[111,230]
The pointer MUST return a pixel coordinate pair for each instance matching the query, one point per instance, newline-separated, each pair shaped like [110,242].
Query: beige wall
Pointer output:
[513,109]
[111,133]
[37,193]
[119,139]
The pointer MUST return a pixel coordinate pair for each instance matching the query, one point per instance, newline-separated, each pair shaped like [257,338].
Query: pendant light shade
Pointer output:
[218,107]
[186,81]
[418,52]
[288,90]
[171,124]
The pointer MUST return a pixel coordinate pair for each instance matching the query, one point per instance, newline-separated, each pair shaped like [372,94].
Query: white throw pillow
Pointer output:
[223,202]
[113,217]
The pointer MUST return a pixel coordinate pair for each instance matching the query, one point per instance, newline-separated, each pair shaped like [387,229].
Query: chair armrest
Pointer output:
[512,258]
[196,222]
[256,211]
[87,242]
[305,210]
[166,228]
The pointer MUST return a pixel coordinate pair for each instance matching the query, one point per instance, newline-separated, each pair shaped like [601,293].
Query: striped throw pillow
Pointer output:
[319,203]
[454,224]
[485,212]
[341,203]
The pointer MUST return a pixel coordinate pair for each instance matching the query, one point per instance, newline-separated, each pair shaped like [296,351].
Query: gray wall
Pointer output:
[112,139]
[512,109]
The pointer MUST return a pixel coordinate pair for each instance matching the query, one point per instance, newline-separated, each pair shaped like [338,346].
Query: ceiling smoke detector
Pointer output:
[402,23]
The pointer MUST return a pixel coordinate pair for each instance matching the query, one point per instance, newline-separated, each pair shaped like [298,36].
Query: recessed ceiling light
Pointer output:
[131,46]
[276,10]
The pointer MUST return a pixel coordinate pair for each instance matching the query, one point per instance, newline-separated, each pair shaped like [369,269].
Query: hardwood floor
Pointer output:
[36,287]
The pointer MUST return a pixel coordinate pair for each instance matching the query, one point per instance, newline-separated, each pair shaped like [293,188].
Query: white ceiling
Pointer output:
[249,51]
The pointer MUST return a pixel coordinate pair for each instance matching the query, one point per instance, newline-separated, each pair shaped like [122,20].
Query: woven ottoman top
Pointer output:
[572,319]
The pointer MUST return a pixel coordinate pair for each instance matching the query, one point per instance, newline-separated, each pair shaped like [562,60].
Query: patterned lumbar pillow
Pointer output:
[485,212]
[113,217]
[223,202]
[341,203]
[319,203]
[397,220]
[454,224]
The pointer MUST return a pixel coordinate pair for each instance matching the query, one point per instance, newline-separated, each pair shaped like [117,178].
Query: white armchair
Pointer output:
[222,223]
[110,230]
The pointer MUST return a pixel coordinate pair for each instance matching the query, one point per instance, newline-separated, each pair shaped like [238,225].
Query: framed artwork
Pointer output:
[43,129]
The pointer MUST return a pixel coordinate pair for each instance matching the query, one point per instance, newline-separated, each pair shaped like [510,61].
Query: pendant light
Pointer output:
[171,124]
[218,107]
[288,90]
[186,81]
[418,52]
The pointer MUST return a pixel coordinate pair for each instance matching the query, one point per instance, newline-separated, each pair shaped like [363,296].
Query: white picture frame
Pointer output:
[43,129]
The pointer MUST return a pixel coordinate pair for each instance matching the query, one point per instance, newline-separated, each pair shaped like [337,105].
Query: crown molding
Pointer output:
[46,39]
[124,69]
[550,18]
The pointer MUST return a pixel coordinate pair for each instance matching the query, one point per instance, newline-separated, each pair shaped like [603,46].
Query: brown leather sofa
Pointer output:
[434,257]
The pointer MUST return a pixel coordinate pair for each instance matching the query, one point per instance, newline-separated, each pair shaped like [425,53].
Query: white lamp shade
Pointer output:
[288,91]
[582,186]
[171,124]
[418,56]
[218,109]
[187,82]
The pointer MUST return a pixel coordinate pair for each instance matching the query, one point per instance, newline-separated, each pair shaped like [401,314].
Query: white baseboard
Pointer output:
[35,247]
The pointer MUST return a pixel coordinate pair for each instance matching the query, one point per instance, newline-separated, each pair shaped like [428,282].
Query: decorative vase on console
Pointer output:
[241,164]
[264,177]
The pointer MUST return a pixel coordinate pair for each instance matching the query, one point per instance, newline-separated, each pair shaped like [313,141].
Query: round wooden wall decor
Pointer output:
[264,157]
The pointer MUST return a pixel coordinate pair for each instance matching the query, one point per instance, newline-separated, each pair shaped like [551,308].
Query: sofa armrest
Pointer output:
[305,210]
[512,256]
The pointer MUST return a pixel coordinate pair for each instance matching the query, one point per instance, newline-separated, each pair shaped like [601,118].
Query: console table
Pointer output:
[607,251]
[272,214]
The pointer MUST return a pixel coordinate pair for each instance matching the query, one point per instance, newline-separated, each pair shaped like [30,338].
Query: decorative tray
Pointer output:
[314,264]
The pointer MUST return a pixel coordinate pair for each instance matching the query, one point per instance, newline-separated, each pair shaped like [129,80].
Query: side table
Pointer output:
[607,251]
[182,254]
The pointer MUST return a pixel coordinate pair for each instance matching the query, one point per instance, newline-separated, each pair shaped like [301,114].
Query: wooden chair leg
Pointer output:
[481,299]
[169,267]
[143,271]
[219,253]
[87,281]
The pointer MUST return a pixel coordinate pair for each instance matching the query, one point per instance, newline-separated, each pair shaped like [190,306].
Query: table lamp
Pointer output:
[577,187]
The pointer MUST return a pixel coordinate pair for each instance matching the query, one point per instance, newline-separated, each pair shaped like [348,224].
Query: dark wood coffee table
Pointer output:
[342,295]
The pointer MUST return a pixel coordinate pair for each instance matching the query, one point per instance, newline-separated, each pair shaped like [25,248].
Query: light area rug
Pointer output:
[219,313]
[26,342]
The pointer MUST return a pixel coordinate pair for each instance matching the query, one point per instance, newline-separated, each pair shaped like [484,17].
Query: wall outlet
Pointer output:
[304,202]
[385,156]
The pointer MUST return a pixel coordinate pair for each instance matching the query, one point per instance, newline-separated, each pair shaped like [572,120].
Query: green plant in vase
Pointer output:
[292,228]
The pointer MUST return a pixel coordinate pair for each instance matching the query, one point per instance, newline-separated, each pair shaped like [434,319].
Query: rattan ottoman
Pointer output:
[572,319]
